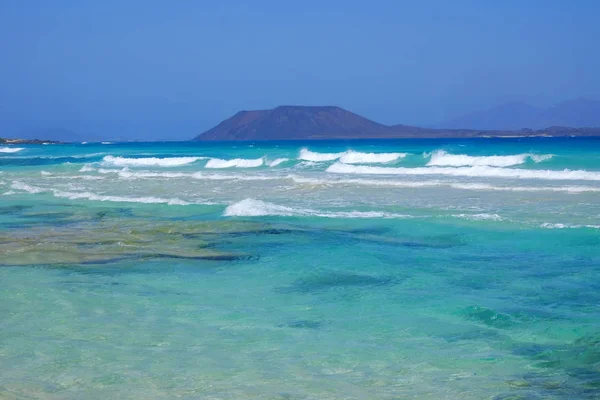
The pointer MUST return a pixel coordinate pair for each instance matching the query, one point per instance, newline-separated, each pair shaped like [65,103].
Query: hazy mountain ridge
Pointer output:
[577,113]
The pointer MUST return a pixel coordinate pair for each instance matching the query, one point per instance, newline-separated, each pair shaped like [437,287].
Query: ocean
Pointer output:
[392,269]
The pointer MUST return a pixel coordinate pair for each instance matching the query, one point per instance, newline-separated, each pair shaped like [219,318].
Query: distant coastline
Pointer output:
[331,123]
[27,141]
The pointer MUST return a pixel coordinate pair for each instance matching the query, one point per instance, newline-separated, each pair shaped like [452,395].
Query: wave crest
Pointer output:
[355,157]
[441,158]
[149,161]
[478,171]
[350,157]
[236,162]
[259,208]
[278,161]
[10,149]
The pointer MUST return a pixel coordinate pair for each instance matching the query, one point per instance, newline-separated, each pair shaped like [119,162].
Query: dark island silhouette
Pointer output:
[330,122]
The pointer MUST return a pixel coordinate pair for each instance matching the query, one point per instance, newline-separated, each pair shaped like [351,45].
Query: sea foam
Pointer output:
[441,158]
[308,155]
[278,161]
[478,171]
[120,199]
[548,225]
[26,188]
[350,157]
[16,185]
[259,208]
[355,157]
[437,183]
[150,161]
[479,217]
[236,162]
[10,149]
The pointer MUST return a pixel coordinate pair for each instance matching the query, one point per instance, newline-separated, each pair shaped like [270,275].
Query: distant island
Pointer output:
[330,122]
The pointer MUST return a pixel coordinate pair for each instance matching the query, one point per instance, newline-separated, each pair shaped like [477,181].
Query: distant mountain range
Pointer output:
[578,113]
[329,122]
[580,117]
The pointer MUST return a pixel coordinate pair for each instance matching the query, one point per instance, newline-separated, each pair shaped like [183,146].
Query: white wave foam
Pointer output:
[350,157]
[45,173]
[441,158]
[25,187]
[259,208]
[86,168]
[85,177]
[127,174]
[366,182]
[355,157]
[10,149]
[540,157]
[97,197]
[308,155]
[150,161]
[436,183]
[278,161]
[106,143]
[478,171]
[484,186]
[479,217]
[120,199]
[236,162]
[548,225]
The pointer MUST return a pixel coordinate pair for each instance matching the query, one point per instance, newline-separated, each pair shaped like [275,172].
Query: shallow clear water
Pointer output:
[389,269]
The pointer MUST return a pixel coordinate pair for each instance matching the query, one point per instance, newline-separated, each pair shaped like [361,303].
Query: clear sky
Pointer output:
[160,69]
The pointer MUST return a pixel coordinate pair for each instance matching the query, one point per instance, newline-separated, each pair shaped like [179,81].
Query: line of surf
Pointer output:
[474,171]
[218,163]
[438,183]
[441,158]
[350,157]
[149,161]
[128,174]
[17,185]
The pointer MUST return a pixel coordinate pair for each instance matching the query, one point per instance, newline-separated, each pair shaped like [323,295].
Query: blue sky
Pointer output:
[159,69]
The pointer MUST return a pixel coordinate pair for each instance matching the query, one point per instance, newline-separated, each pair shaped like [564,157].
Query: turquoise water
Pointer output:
[432,269]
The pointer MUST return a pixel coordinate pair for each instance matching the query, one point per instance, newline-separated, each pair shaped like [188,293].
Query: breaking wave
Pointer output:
[441,158]
[308,155]
[278,161]
[236,162]
[259,208]
[150,161]
[10,149]
[475,171]
[355,157]
[350,157]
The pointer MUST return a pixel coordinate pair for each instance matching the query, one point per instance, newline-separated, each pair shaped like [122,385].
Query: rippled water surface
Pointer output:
[320,270]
